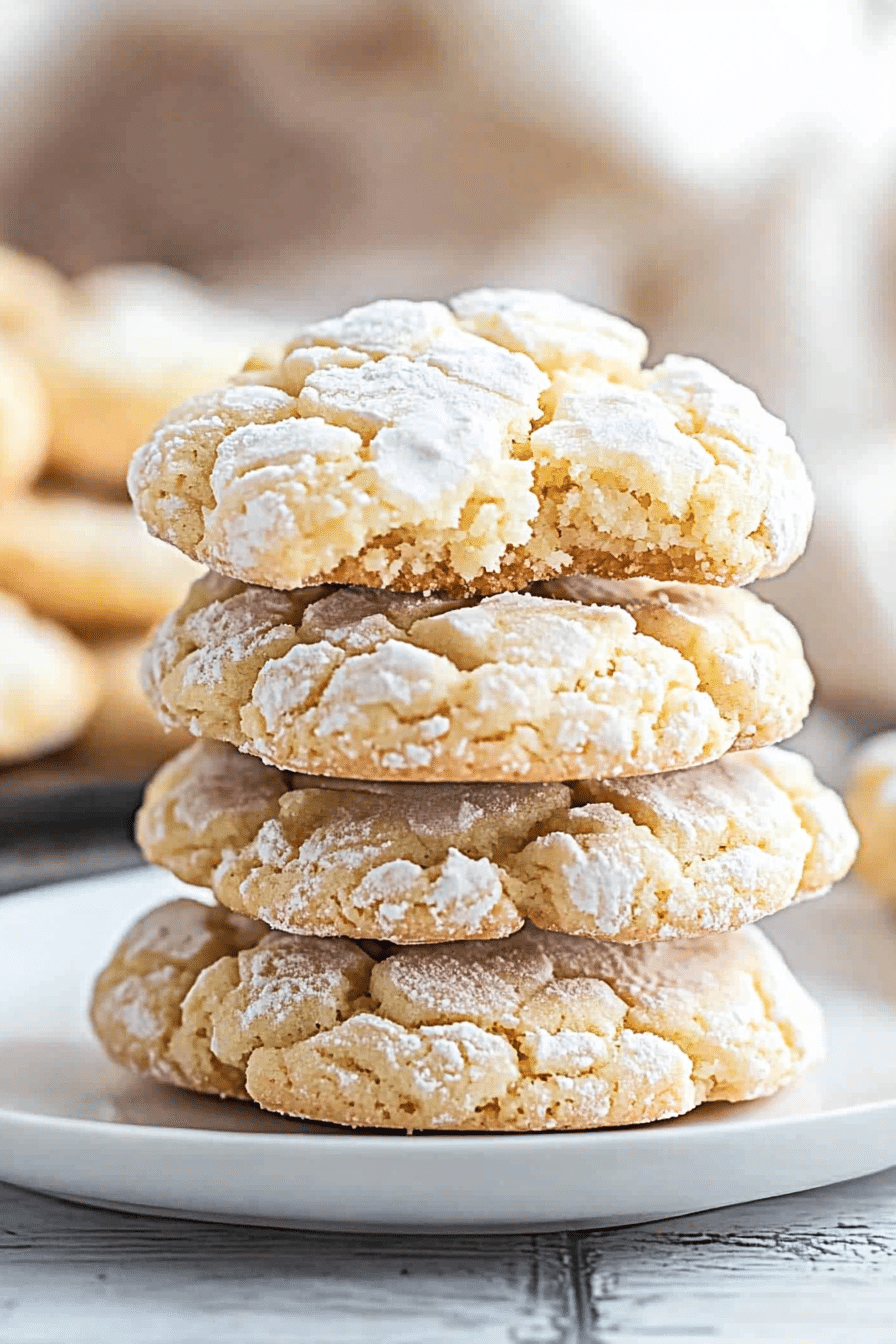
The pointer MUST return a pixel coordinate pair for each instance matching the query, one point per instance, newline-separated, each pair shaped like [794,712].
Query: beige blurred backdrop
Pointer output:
[723,174]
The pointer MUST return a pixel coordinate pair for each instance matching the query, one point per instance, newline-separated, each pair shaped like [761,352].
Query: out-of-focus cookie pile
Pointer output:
[486,790]
[86,369]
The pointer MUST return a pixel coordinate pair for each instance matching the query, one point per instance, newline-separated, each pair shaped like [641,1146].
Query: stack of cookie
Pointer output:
[485,840]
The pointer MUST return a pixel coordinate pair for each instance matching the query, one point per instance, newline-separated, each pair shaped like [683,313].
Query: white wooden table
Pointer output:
[818,1268]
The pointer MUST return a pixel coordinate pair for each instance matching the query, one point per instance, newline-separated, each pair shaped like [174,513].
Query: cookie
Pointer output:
[872,805]
[24,422]
[132,343]
[124,737]
[48,684]
[475,448]
[32,293]
[88,563]
[583,679]
[653,857]
[536,1031]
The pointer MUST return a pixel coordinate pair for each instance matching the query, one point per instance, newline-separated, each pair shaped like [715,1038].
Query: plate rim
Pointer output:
[429,1139]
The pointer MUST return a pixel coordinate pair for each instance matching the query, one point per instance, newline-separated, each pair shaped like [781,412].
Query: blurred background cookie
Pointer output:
[124,737]
[24,421]
[132,343]
[872,804]
[48,684]
[88,563]
[32,292]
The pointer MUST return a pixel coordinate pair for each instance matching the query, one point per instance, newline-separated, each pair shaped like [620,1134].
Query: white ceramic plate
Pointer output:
[73,1124]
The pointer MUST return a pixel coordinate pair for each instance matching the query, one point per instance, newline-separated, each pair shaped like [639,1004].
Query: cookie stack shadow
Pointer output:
[486,840]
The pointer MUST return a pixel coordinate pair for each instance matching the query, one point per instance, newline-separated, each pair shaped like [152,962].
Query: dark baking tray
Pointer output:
[58,822]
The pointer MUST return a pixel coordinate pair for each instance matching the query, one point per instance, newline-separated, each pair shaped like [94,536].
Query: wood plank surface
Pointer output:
[816,1268]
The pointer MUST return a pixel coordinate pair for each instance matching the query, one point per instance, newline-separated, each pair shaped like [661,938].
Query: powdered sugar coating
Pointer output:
[555,332]
[577,679]
[872,804]
[647,858]
[535,1031]
[508,437]
[135,1009]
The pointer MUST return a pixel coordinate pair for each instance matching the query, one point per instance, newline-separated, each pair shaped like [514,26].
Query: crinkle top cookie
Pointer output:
[579,679]
[653,857]
[533,1032]
[475,447]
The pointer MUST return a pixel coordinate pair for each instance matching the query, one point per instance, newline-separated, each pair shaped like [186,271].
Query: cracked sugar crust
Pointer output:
[871,799]
[508,437]
[648,858]
[136,1005]
[533,1032]
[48,684]
[88,562]
[577,679]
